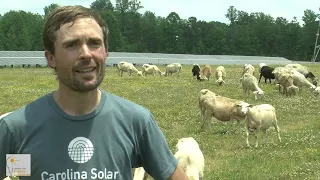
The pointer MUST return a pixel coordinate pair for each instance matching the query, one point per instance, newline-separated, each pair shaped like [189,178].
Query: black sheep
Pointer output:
[196,71]
[266,72]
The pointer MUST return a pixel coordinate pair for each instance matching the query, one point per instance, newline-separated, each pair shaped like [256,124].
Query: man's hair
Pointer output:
[65,14]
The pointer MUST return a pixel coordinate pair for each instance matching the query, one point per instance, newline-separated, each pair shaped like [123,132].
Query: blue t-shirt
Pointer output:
[106,144]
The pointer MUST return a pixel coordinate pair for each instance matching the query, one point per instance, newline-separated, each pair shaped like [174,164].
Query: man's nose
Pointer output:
[85,52]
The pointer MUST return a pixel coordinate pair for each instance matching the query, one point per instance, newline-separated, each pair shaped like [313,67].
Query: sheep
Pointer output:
[190,158]
[286,81]
[140,174]
[277,71]
[206,71]
[261,65]
[266,72]
[248,68]
[259,117]
[300,80]
[305,71]
[173,68]
[220,75]
[128,67]
[150,69]
[221,108]
[250,83]
[196,71]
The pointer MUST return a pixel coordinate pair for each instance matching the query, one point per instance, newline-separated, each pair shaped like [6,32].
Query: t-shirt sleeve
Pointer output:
[156,157]
[6,146]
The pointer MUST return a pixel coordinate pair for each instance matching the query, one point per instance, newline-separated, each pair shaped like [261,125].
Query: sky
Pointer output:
[207,10]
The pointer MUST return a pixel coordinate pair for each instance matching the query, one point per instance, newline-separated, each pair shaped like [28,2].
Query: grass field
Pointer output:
[173,101]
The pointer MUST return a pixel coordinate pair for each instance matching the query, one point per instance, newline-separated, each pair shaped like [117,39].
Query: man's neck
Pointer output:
[77,103]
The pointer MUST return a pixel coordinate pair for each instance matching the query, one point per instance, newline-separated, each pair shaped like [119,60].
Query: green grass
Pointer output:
[173,101]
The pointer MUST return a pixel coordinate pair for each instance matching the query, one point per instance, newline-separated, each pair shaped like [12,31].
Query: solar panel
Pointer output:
[18,58]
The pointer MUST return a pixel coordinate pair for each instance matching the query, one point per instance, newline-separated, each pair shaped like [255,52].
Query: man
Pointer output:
[80,131]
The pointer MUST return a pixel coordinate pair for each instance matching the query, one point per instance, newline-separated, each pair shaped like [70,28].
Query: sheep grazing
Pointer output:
[259,117]
[128,67]
[195,70]
[286,82]
[301,81]
[150,69]
[206,71]
[266,72]
[190,158]
[173,68]
[220,75]
[305,71]
[221,108]
[250,83]
[248,68]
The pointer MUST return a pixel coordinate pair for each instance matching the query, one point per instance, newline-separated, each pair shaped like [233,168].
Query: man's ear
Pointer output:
[50,59]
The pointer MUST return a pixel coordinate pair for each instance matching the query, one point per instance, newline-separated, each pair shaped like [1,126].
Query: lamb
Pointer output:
[259,117]
[220,75]
[206,71]
[250,83]
[150,69]
[266,72]
[190,158]
[173,68]
[128,67]
[221,108]
[286,81]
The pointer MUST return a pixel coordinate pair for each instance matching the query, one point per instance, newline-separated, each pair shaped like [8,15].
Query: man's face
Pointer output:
[79,56]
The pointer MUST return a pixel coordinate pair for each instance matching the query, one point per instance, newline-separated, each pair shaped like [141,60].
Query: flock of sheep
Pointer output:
[289,79]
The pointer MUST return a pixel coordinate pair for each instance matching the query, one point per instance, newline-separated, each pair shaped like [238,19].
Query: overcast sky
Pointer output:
[207,10]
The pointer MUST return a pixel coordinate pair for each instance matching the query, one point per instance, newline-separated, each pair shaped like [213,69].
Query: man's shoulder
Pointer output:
[17,117]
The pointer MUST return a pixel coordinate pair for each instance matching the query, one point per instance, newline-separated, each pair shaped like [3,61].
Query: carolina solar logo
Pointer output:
[80,149]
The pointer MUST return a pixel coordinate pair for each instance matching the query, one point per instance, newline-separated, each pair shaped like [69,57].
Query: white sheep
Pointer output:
[173,68]
[128,67]
[285,81]
[250,83]
[220,75]
[206,72]
[215,106]
[150,69]
[303,70]
[190,158]
[259,117]
[301,81]
[248,68]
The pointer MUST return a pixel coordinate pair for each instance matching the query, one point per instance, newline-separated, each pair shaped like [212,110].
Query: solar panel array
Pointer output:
[18,58]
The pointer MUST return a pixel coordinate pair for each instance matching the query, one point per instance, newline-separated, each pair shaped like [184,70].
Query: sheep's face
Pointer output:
[139,73]
[258,94]
[243,106]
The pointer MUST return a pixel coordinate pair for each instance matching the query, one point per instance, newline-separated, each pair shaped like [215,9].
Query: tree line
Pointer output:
[254,34]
